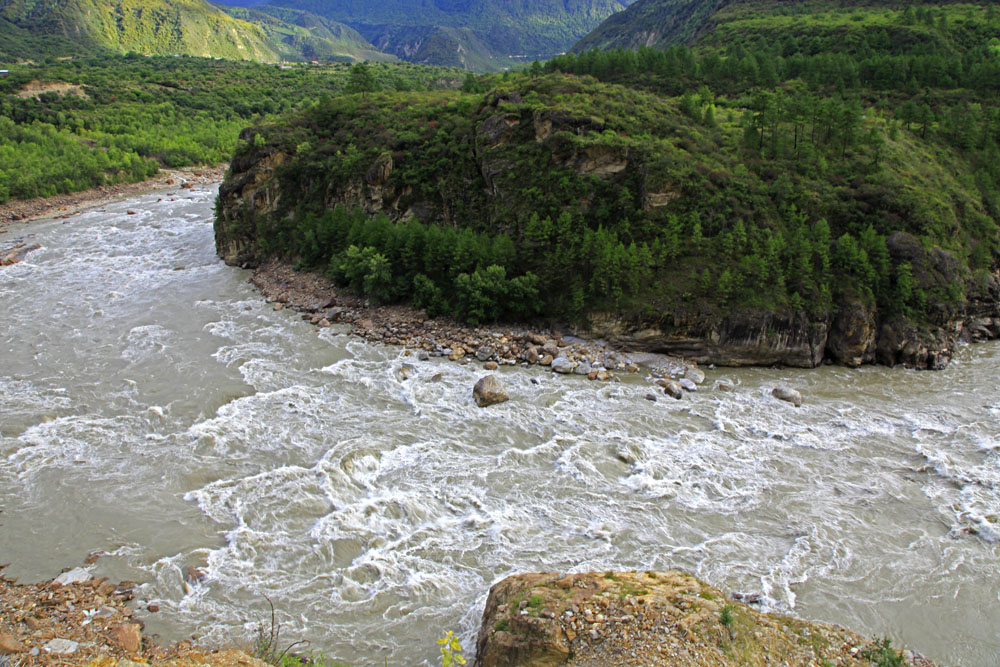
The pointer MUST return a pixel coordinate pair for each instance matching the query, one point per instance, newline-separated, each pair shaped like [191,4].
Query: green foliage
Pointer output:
[479,34]
[451,650]
[881,654]
[113,119]
[361,80]
[763,166]
[726,616]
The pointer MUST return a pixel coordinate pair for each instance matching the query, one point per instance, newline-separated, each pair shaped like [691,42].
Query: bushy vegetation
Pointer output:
[109,119]
[633,203]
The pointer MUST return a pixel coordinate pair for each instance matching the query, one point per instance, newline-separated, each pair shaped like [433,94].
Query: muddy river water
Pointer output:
[154,408]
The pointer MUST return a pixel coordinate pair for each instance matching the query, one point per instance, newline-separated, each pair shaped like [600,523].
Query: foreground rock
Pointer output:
[14,254]
[489,391]
[647,618]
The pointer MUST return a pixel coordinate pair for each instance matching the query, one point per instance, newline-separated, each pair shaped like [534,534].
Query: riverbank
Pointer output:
[64,206]
[321,302]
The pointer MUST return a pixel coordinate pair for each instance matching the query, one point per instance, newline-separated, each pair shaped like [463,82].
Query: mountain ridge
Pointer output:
[38,28]
[476,34]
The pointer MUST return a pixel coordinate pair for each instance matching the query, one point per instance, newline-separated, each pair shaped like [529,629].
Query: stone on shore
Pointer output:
[62,646]
[128,637]
[75,576]
[485,353]
[532,355]
[562,364]
[489,391]
[789,395]
[9,644]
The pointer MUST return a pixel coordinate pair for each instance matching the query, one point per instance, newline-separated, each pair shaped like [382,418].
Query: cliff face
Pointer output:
[550,167]
[648,618]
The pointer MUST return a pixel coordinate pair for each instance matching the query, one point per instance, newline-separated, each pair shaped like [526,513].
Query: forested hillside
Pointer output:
[34,29]
[475,34]
[834,172]
[68,126]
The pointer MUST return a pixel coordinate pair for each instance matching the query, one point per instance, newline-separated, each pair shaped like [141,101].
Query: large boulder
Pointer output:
[644,618]
[489,391]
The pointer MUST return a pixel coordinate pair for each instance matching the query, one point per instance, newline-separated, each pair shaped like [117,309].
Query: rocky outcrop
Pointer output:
[647,618]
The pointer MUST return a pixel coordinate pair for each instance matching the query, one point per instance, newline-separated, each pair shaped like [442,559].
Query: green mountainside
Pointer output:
[39,28]
[806,181]
[301,35]
[654,23]
[71,125]
[476,34]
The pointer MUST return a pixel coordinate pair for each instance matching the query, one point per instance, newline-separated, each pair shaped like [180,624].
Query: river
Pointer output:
[154,408]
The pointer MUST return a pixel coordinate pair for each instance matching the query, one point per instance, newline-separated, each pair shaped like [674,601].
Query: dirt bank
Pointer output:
[63,206]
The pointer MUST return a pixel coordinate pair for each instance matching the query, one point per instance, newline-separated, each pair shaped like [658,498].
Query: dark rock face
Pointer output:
[737,338]
[851,341]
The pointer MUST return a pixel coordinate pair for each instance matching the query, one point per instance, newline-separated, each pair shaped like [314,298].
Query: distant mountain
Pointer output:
[476,34]
[656,23]
[299,34]
[35,28]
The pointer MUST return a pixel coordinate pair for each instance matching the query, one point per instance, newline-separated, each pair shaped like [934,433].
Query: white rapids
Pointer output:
[154,408]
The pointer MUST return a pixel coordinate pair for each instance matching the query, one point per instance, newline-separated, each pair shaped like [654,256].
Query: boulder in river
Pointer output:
[687,384]
[694,374]
[785,394]
[671,388]
[489,391]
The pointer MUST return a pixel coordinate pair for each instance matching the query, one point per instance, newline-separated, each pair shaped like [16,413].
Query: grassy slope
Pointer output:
[157,27]
[297,34]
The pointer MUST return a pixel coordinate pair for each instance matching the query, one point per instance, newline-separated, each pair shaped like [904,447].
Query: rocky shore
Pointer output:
[63,206]
[323,304]
[76,619]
